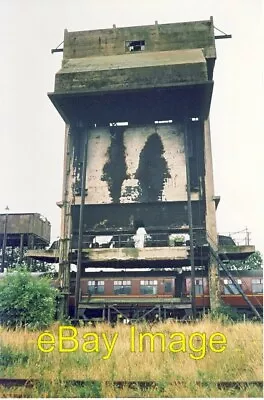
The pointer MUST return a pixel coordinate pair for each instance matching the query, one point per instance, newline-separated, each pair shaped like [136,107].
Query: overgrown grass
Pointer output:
[240,361]
[97,391]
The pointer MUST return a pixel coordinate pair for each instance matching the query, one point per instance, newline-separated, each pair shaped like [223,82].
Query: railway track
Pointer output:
[30,383]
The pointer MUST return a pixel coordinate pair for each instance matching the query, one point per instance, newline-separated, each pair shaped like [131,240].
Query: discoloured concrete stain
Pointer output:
[76,165]
[98,144]
[174,153]
[152,169]
[115,170]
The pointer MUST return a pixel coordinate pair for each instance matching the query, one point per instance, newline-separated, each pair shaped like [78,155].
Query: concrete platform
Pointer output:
[129,256]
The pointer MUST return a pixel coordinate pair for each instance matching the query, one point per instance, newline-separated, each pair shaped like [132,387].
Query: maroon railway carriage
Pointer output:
[251,283]
[132,294]
[159,294]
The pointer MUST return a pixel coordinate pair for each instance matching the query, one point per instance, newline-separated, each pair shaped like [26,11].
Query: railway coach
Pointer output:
[160,294]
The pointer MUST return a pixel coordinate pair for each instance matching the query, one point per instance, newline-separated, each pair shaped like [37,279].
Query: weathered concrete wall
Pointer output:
[104,42]
[136,164]
[168,55]
[178,56]
[132,71]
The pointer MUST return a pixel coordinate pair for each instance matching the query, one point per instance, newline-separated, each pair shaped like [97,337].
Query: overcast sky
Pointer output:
[32,132]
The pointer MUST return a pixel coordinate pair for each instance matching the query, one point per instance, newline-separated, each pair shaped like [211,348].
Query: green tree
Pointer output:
[254,261]
[26,300]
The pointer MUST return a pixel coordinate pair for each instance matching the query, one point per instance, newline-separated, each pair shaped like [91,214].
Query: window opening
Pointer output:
[122,287]
[135,45]
[119,123]
[95,287]
[198,287]
[257,285]
[148,287]
[229,287]
[167,287]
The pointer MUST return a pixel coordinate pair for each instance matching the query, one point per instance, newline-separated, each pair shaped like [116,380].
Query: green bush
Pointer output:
[225,313]
[26,301]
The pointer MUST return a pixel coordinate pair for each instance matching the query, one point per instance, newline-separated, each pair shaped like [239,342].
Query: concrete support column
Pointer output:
[12,256]
[31,242]
[64,246]
[213,273]
[30,246]
[4,242]
[21,248]
[159,313]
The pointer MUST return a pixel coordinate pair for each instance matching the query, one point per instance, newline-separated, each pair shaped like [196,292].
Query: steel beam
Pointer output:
[80,238]
[190,221]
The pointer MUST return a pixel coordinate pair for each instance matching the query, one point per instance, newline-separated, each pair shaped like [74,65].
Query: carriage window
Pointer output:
[148,287]
[198,286]
[167,287]
[229,287]
[257,285]
[96,287]
[122,287]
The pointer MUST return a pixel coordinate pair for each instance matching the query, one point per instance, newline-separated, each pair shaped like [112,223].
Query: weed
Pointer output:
[9,357]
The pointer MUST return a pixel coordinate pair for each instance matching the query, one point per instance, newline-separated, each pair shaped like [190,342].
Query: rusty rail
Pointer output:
[30,383]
